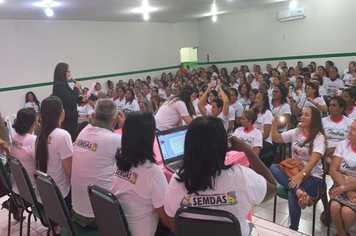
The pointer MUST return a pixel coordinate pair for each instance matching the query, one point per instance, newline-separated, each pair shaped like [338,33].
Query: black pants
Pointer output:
[71,127]
[267,160]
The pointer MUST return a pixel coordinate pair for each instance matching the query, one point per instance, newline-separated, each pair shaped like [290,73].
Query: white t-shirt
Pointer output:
[255,84]
[148,96]
[235,85]
[131,106]
[297,137]
[207,106]
[236,189]
[330,86]
[243,101]
[238,108]
[162,93]
[348,79]
[83,112]
[90,110]
[283,109]
[140,192]
[32,105]
[305,103]
[225,119]
[60,147]
[120,103]
[93,163]
[253,138]
[347,153]
[23,147]
[195,102]
[336,131]
[262,120]
[352,114]
[322,91]
[169,114]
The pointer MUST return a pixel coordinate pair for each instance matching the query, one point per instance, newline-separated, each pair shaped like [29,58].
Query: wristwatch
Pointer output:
[342,188]
[304,173]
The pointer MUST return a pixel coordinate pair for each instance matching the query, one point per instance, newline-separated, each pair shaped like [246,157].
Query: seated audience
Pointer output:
[175,109]
[130,102]
[138,181]
[343,173]
[54,148]
[219,106]
[349,95]
[263,124]
[145,105]
[336,126]
[333,83]
[204,173]
[244,94]
[248,133]
[308,145]
[121,99]
[32,102]
[94,158]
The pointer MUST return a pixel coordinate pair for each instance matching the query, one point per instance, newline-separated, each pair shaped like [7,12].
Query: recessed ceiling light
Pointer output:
[214,18]
[1,1]
[144,8]
[47,3]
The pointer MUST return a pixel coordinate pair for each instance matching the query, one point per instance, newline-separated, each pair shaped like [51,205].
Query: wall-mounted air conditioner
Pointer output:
[292,14]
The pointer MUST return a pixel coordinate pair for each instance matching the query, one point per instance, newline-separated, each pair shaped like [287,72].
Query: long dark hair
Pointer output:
[204,159]
[60,73]
[34,99]
[24,120]
[313,86]
[50,115]
[316,126]
[284,92]
[184,96]
[266,103]
[138,136]
[132,95]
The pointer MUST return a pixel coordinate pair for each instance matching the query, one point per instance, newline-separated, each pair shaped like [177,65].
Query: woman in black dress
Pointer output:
[68,96]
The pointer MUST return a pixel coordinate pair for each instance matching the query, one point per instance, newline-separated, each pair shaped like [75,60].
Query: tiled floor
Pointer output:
[262,218]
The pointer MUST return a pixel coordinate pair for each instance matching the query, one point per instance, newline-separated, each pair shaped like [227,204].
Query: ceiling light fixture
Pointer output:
[1,1]
[214,9]
[146,16]
[293,4]
[49,12]
[214,18]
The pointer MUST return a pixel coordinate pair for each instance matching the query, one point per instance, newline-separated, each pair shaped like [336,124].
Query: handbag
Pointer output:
[291,167]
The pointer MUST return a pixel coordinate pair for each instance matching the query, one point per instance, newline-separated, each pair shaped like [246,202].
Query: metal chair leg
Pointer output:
[21,222]
[29,224]
[314,209]
[274,209]
[9,221]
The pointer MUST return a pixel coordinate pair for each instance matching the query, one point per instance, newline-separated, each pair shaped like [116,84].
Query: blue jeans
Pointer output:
[307,185]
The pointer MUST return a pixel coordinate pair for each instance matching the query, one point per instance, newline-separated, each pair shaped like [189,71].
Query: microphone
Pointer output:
[74,81]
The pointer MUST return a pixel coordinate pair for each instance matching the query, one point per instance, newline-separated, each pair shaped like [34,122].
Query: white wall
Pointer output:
[31,49]
[256,33]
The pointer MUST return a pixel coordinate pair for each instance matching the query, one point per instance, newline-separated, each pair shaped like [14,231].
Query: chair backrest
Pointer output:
[10,120]
[5,178]
[185,226]
[53,202]
[25,187]
[109,215]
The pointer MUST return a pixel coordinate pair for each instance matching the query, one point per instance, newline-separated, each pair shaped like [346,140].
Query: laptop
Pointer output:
[171,146]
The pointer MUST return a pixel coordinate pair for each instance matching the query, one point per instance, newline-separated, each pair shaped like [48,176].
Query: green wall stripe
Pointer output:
[27,86]
[282,58]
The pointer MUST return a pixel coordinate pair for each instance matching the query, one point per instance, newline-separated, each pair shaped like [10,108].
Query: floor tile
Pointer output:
[275,227]
[268,215]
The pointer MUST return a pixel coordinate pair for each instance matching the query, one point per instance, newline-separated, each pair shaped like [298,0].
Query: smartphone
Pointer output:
[214,82]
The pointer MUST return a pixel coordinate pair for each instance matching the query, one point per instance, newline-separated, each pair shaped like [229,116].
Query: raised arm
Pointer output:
[202,100]
[276,136]
[225,99]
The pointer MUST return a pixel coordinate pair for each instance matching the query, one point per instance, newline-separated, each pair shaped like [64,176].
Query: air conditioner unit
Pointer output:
[292,14]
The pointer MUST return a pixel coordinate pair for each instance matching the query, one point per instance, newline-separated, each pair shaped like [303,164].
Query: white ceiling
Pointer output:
[169,11]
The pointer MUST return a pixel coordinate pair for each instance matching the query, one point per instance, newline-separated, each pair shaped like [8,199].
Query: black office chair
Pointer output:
[229,225]
[56,209]
[109,215]
[15,199]
[27,193]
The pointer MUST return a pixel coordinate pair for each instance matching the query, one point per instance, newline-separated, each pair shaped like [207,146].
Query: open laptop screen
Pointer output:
[171,143]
